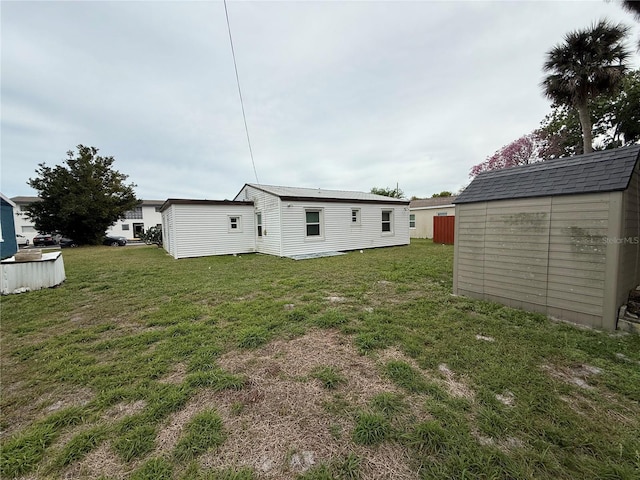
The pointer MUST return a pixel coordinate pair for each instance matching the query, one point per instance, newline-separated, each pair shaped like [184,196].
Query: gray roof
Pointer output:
[603,171]
[321,195]
[188,201]
[27,200]
[432,202]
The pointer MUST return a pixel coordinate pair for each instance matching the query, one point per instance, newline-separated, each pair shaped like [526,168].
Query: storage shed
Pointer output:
[560,237]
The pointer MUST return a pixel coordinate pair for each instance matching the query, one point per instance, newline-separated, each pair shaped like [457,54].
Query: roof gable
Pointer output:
[322,195]
[603,171]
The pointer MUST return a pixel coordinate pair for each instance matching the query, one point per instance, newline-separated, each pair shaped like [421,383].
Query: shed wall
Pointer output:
[8,243]
[629,271]
[202,230]
[544,254]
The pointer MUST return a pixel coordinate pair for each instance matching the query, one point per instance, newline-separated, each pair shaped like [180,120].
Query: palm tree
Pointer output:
[590,63]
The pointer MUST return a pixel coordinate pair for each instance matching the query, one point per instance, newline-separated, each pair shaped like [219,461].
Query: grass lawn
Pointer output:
[358,366]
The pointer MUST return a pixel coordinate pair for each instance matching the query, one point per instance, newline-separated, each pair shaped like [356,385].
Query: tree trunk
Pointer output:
[585,123]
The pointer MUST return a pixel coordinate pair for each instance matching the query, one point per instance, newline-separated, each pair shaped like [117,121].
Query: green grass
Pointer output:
[126,319]
[203,432]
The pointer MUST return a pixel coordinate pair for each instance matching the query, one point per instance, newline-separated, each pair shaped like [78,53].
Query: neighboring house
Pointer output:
[8,243]
[561,237]
[421,213]
[284,221]
[136,221]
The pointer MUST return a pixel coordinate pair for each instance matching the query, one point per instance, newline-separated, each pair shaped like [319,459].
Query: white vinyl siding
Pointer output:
[201,230]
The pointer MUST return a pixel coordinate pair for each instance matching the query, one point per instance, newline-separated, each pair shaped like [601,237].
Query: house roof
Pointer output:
[186,201]
[27,200]
[321,195]
[7,200]
[432,202]
[603,171]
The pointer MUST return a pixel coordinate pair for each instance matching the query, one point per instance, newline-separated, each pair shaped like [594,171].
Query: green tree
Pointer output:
[590,63]
[388,192]
[82,199]
[442,194]
[615,120]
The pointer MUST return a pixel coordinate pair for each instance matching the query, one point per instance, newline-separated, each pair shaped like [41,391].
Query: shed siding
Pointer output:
[339,233]
[577,255]
[629,271]
[546,254]
[269,206]
[201,230]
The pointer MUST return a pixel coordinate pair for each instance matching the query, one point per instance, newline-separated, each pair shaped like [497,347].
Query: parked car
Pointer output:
[114,241]
[67,243]
[44,239]
[22,240]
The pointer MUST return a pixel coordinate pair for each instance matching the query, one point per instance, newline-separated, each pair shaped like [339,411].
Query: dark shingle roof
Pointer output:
[603,171]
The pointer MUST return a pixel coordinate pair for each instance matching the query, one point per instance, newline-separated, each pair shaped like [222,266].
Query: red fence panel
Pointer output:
[443,229]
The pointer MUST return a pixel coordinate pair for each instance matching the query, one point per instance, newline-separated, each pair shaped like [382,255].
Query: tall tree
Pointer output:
[388,192]
[590,63]
[522,151]
[82,199]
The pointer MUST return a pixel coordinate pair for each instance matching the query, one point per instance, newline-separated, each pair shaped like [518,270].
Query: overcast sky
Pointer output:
[338,95]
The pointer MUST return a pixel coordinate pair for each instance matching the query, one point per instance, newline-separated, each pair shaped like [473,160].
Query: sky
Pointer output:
[338,95]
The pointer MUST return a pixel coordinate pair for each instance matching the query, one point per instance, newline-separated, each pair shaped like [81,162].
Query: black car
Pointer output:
[114,241]
[44,239]
[67,243]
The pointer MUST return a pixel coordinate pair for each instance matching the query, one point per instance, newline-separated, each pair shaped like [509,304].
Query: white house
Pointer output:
[145,215]
[422,212]
[284,221]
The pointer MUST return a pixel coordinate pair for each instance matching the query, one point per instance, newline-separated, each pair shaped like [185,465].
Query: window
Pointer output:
[259,223]
[387,218]
[125,226]
[235,224]
[312,219]
[355,216]
[134,214]
[442,214]
[412,220]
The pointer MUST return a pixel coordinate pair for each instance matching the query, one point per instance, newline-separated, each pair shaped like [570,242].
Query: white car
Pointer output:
[22,240]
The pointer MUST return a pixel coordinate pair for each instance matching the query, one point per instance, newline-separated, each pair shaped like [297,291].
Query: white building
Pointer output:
[136,221]
[422,212]
[284,221]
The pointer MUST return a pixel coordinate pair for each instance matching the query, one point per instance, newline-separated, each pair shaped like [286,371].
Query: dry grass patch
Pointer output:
[98,463]
[576,375]
[279,424]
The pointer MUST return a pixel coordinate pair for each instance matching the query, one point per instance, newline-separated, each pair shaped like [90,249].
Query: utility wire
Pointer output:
[244,116]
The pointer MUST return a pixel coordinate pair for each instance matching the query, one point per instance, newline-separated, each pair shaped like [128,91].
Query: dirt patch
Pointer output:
[280,423]
[576,375]
[176,376]
[98,463]
[455,387]
[122,410]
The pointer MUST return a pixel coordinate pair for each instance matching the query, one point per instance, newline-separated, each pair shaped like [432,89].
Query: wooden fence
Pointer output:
[443,229]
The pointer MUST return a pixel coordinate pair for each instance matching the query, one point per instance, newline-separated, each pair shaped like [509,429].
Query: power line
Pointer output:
[244,116]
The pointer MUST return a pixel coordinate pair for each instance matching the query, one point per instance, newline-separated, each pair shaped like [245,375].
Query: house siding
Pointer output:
[202,230]
[424,220]
[338,231]
[269,206]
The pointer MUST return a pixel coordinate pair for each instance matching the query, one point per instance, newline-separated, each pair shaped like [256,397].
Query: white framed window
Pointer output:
[313,222]
[412,220]
[235,223]
[355,216]
[387,221]
[125,226]
[259,223]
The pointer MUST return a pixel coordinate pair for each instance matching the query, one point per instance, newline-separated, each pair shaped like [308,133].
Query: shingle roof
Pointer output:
[432,202]
[317,194]
[603,171]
